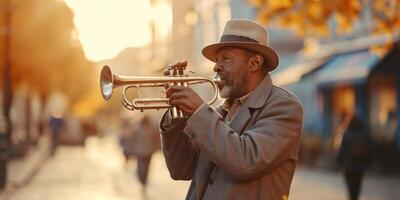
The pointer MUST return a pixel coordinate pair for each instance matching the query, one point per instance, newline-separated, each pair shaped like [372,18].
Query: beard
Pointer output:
[225,92]
[233,86]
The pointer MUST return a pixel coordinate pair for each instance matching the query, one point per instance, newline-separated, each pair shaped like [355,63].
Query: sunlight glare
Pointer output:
[162,16]
[106,27]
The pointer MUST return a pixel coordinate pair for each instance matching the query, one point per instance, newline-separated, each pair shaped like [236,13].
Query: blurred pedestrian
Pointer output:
[146,141]
[56,123]
[126,139]
[355,155]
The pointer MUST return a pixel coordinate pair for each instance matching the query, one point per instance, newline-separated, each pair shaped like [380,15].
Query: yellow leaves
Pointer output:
[381,50]
[387,15]
[290,19]
[321,29]
[383,27]
[318,11]
[269,9]
[349,8]
[386,8]
[387,18]
[279,5]
[344,25]
[310,17]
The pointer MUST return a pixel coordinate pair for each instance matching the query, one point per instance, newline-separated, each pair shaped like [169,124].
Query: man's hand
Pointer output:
[184,97]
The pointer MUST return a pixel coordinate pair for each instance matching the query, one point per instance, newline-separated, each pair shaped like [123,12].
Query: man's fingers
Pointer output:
[172,90]
[177,102]
[184,105]
[177,95]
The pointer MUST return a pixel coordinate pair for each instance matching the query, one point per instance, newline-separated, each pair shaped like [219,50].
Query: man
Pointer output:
[355,154]
[248,147]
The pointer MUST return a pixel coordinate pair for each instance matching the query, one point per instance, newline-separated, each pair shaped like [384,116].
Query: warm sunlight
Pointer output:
[105,27]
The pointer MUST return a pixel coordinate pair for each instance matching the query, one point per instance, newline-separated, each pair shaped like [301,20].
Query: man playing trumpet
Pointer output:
[247,148]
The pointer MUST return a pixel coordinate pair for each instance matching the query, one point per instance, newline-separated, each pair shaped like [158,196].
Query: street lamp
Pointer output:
[5,137]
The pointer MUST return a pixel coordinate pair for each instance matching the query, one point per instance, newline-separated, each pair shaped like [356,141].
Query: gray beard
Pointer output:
[225,92]
[233,90]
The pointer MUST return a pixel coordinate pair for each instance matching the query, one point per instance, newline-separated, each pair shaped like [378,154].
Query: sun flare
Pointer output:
[105,27]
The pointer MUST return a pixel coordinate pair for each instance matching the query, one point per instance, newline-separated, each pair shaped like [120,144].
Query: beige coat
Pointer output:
[253,158]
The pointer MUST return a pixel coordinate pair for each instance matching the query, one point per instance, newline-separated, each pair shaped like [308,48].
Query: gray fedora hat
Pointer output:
[247,35]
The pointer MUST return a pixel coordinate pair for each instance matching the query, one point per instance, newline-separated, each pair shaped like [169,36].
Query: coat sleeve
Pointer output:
[271,140]
[180,153]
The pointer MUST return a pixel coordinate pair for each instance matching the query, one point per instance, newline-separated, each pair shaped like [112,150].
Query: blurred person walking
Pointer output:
[145,142]
[126,139]
[56,124]
[355,154]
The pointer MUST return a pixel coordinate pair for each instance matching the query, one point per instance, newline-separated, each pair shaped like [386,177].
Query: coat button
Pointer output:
[210,181]
[191,135]
[210,109]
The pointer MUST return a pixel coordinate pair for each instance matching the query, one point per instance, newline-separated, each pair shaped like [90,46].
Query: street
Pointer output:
[98,171]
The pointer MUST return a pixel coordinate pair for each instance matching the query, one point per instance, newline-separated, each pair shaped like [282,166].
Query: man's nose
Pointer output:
[217,67]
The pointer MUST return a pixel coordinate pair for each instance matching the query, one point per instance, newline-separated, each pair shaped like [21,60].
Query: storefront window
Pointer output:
[383,107]
[343,108]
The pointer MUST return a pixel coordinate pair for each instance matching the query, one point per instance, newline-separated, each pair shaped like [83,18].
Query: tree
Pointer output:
[310,18]
[44,53]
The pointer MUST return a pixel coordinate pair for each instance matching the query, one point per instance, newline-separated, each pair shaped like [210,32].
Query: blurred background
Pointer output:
[60,140]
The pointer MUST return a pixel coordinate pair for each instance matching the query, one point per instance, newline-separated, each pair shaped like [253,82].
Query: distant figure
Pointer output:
[56,124]
[146,141]
[126,140]
[355,155]
[391,125]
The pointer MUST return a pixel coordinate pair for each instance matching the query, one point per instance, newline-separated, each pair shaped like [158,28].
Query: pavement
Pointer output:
[21,171]
[98,171]
[317,184]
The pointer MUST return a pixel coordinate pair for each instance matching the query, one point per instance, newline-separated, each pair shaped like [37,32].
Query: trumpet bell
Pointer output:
[106,82]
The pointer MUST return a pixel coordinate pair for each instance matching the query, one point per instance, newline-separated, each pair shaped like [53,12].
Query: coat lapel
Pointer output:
[242,116]
[256,100]
[221,111]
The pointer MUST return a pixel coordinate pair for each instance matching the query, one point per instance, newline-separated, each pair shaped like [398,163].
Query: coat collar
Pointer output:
[259,95]
[255,100]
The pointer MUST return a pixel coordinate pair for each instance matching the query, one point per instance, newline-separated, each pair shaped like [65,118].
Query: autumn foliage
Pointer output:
[44,53]
[314,17]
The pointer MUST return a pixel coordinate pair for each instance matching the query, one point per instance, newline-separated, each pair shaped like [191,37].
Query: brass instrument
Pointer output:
[174,76]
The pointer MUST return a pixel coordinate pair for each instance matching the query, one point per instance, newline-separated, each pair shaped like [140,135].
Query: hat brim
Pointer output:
[271,59]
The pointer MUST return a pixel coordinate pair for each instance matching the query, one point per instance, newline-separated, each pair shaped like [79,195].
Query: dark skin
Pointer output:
[240,72]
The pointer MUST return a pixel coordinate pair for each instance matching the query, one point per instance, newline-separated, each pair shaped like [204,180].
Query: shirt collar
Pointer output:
[255,98]
[241,100]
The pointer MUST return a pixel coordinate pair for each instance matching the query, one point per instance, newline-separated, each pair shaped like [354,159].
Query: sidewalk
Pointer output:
[316,184]
[98,171]
[21,171]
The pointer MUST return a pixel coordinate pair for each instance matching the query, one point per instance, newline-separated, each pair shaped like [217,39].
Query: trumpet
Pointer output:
[174,76]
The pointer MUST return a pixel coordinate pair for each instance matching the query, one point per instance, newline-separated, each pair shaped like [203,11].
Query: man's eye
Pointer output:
[227,58]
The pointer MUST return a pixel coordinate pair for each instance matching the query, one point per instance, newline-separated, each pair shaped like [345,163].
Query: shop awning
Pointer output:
[295,72]
[350,68]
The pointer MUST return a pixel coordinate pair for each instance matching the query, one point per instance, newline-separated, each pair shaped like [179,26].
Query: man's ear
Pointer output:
[256,62]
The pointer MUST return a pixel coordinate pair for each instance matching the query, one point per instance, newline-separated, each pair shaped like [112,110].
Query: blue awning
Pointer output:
[293,74]
[351,68]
